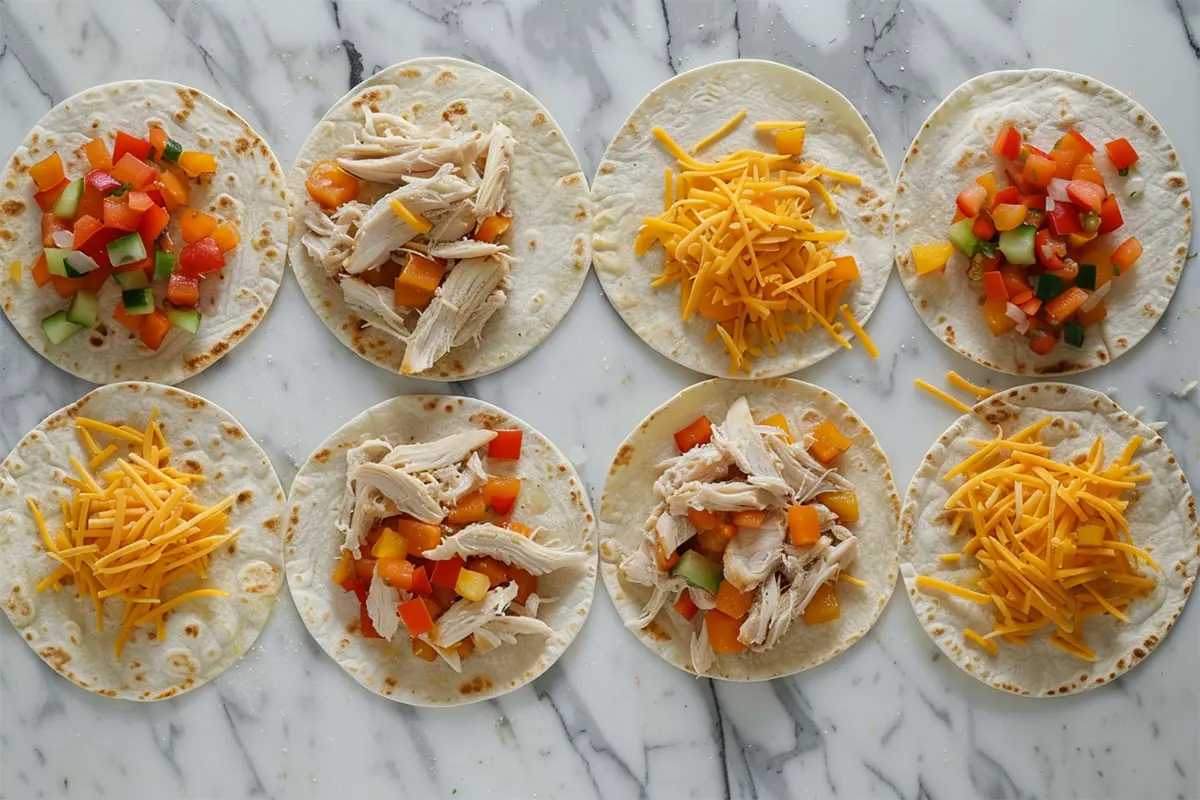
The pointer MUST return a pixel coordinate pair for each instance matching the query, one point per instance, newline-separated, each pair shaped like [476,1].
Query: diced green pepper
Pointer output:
[172,150]
[1087,277]
[1049,287]
[1017,245]
[962,236]
[1073,334]
[698,571]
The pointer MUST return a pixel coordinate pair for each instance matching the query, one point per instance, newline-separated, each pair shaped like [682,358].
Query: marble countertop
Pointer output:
[888,718]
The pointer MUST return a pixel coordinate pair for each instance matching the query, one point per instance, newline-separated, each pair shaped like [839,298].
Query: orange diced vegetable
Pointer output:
[344,568]
[1086,170]
[804,526]
[694,435]
[48,197]
[445,573]
[158,141]
[226,236]
[390,544]
[732,600]
[931,257]
[196,225]
[1066,304]
[500,494]
[984,228]
[704,520]
[421,536]
[41,271]
[988,181]
[495,570]
[397,572]
[417,282]
[527,582]
[135,172]
[471,585]
[789,141]
[1038,171]
[779,421]
[723,632]
[1008,216]
[747,519]
[845,269]
[1093,315]
[685,606]
[422,649]
[519,527]
[844,504]
[330,185]
[1127,253]
[416,617]
[492,228]
[971,199]
[828,442]
[714,541]
[1008,143]
[1042,345]
[364,569]
[665,561]
[997,320]
[471,508]
[140,201]
[48,172]
[1121,153]
[196,164]
[176,192]
[97,154]
[824,606]
[51,225]
[154,329]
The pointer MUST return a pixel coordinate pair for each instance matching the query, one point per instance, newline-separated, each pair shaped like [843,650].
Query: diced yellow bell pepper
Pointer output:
[824,607]
[790,141]
[1077,240]
[844,504]
[471,585]
[988,181]
[344,568]
[1091,535]
[997,320]
[390,545]
[779,421]
[931,257]
[828,442]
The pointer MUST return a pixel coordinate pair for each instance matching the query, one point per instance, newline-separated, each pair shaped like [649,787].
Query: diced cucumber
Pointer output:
[172,150]
[126,250]
[164,263]
[84,308]
[698,571]
[67,203]
[138,301]
[133,279]
[186,318]
[1017,245]
[962,236]
[58,328]
[69,263]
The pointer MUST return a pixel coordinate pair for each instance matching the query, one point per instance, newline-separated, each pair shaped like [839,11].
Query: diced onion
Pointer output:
[63,239]
[1095,297]
[1015,313]
[1058,190]
[1049,204]
[1135,186]
[1022,327]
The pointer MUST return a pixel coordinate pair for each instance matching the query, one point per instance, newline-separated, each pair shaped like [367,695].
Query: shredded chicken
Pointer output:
[461,300]
[486,539]
[730,496]
[703,464]
[381,607]
[445,452]
[466,616]
[752,555]
[407,494]
[328,239]
[492,192]
[703,656]
[374,305]
[466,248]
[740,439]
[673,531]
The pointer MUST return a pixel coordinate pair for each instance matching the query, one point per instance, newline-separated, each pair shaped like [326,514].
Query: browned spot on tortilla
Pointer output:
[321,456]
[55,656]
[607,168]
[182,115]
[444,77]
[272,524]
[192,630]
[655,630]
[456,109]
[244,496]
[950,334]
[1175,182]
[486,419]
[571,180]
[233,431]
[449,409]
[624,456]
[13,208]
[430,404]
[374,94]
[480,683]
[193,466]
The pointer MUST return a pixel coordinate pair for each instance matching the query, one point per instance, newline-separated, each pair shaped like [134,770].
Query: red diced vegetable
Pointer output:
[201,258]
[1008,143]
[51,225]
[1031,307]
[154,329]
[1015,282]
[416,617]
[1009,194]
[136,173]
[971,199]
[85,227]
[1049,251]
[131,321]
[140,201]
[1042,345]
[694,435]
[1121,153]
[364,621]
[1127,253]
[183,290]
[132,145]
[1086,171]
[685,606]
[500,494]
[91,204]
[1031,201]
[1086,195]
[506,445]
[1078,138]
[118,214]
[445,573]
[420,582]
[102,181]
[1064,219]
[1111,218]
[48,172]
[993,284]
[154,222]
[984,229]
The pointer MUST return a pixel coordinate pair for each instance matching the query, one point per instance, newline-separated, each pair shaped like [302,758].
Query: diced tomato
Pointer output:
[154,222]
[1127,253]
[131,321]
[154,329]
[416,617]
[1111,218]
[201,258]
[970,200]
[51,225]
[697,433]
[1086,195]
[993,284]
[1121,153]
[48,172]
[445,573]
[183,291]
[118,214]
[1008,143]
[1009,194]
[47,198]
[1038,171]
[1049,251]
[41,271]
[1079,139]
[132,145]
[140,201]
[1086,171]
[1064,219]
[135,172]
[196,225]
[97,154]
[984,229]
[1042,345]
[102,181]
[420,582]
[506,446]
[685,606]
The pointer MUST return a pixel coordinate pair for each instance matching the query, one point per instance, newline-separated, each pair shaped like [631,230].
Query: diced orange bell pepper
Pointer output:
[125,143]
[48,172]
[51,225]
[330,185]
[845,268]
[397,572]
[704,520]
[1038,171]
[747,519]
[1008,143]
[723,632]
[344,568]
[1127,253]
[91,204]
[423,650]
[997,320]
[779,421]
[732,600]
[714,541]
[694,435]
[804,526]
[48,197]
[828,442]
[154,329]
[665,562]
[789,141]
[1008,216]
[495,570]
[85,227]
[988,181]
[421,536]
[1121,153]
[844,504]
[196,164]
[685,606]
[471,508]
[364,569]
[1042,345]
[196,225]
[1066,304]
[183,291]
[140,201]
[158,141]
[41,271]
[1086,170]
[824,607]
[420,582]
[500,494]
[97,154]
[417,282]
[519,527]
[134,171]
[527,582]
[465,647]
[226,236]
[118,214]
[492,228]
[176,192]
[415,616]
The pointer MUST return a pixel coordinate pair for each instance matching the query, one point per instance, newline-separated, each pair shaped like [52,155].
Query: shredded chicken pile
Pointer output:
[454,179]
[425,480]
[746,466]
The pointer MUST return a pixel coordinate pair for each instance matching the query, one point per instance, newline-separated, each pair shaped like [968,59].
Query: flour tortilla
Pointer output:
[628,501]
[1162,521]
[548,196]
[690,106]
[248,190]
[204,635]
[552,497]
[955,146]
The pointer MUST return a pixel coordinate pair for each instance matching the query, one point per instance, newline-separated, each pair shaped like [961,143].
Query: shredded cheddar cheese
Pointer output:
[132,531]
[740,240]
[14,272]
[980,392]
[415,221]
[871,349]
[953,402]
[1049,540]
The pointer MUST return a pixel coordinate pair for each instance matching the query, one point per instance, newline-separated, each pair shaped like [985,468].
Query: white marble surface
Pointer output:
[889,718]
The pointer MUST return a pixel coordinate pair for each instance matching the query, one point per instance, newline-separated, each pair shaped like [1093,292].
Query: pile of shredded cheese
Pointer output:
[1050,540]
[741,243]
[135,529]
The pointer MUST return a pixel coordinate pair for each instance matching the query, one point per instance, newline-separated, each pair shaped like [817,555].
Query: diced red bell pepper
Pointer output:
[1086,195]
[500,494]
[138,148]
[85,227]
[1127,253]
[983,228]
[51,225]
[697,433]
[506,445]
[135,172]
[118,214]
[91,203]
[364,621]
[1006,196]
[1064,219]
[1015,283]
[1121,153]
[48,172]
[971,199]
[204,257]
[445,573]
[96,245]
[358,586]
[154,329]
[154,222]
[993,284]
[420,582]
[47,198]
[1038,171]
[416,617]
[1111,218]
[156,196]
[183,290]
[1079,139]
[1049,251]
[102,181]
[1008,143]
[140,201]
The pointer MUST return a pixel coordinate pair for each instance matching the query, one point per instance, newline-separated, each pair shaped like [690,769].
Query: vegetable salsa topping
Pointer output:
[113,221]
[1045,242]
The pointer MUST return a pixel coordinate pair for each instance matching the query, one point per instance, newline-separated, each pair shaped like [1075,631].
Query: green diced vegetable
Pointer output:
[1090,222]
[132,279]
[698,571]
[962,236]
[58,328]
[84,308]
[1073,334]
[68,263]
[138,301]
[1049,287]
[1017,245]
[120,190]
[172,151]
[68,202]
[126,250]
[186,318]
[164,263]
[1087,277]
[1123,171]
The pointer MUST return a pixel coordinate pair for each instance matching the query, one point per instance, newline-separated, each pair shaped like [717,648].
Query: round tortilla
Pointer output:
[955,146]
[204,635]
[690,106]
[1162,521]
[629,499]
[247,190]
[548,197]
[552,497]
